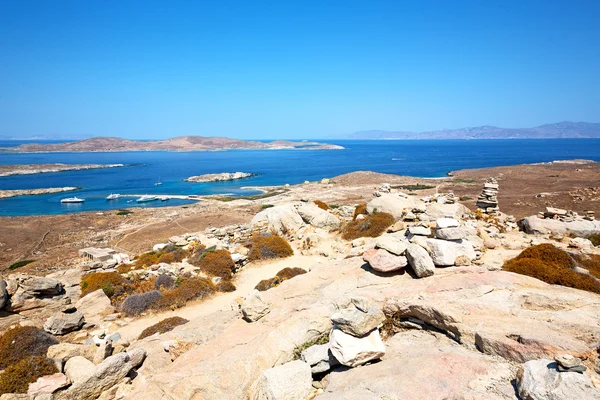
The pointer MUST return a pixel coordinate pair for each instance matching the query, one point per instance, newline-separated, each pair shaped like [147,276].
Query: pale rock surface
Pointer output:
[63,323]
[391,204]
[445,253]
[419,260]
[254,307]
[455,211]
[383,261]
[317,217]
[392,243]
[450,233]
[95,306]
[281,219]
[48,384]
[353,351]
[319,358]
[442,223]
[65,351]
[540,380]
[78,368]
[419,230]
[536,225]
[356,322]
[136,357]
[290,381]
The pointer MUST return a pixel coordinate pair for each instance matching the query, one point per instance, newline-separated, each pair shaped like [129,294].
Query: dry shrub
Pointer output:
[217,263]
[283,275]
[360,209]
[166,325]
[595,239]
[266,246]
[138,303]
[321,205]
[225,286]
[167,258]
[21,342]
[125,268]
[189,289]
[591,262]
[112,283]
[164,281]
[551,265]
[17,377]
[372,225]
[146,259]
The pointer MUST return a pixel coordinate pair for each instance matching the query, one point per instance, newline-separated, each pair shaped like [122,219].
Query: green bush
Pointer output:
[166,325]
[267,246]
[372,225]
[17,377]
[20,264]
[21,342]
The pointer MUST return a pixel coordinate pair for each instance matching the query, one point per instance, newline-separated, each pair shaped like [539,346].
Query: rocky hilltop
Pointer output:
[309,300]
[183,143]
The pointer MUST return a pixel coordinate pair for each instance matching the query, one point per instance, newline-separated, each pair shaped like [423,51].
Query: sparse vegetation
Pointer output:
[20,264]
[267,246]
[372,225]
[265,206]
[360,209]
[464,180]
[188,289]
[17,377]
[321,339]
[166,325]
[164,282]
[112,283]
[225,286]
[321,205]
[124,212]
[283,275]
[217,263]
[21,342]
[551,265]
[595,239]
[136,304]
[414,187]
[465,198]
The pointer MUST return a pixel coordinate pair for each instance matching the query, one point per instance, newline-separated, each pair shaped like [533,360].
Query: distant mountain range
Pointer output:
[182,143]
[560,130]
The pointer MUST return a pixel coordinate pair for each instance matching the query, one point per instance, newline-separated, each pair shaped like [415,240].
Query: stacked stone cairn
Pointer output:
[488,199]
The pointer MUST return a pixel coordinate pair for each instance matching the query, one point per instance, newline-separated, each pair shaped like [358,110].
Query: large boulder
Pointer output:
[91,383]
[254,307]
[383,261]
[357,322]
[541,380]
[78,368]
[48,384]
[450,233]
[317,217]
[391,204]
[392,243]
[455,210]
[290,381]
[445,253]
[39,286]
[63,323]
[95,306]
[536,225]
[65,351]
[281,219]
[419,260]
[352,351]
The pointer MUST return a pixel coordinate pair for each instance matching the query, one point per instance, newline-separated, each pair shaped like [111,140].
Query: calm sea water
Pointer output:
[426,158]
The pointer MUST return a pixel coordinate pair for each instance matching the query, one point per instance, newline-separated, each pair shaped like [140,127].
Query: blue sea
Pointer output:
[422,158]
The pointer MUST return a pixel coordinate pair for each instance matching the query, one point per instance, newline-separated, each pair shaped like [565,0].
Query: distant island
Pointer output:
[182,143]
[30,169]
[560,130]
[222,177]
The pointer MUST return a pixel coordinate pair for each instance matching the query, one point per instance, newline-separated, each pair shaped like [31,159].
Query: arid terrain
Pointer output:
[53,239]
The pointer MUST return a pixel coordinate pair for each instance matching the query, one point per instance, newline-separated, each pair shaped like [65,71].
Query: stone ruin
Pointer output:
[488,199]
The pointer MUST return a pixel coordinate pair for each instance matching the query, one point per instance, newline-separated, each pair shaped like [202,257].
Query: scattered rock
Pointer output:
[419,260]
[63,323]
[65,351]
[319,218]
[391,204]
[383,261]
[94,306]
[48,384]
[78,368]
[444,253]
[356,322]
[450,233]
[281,219]
[319,358]
[419,230]
[290,381]
[391,243]
[137,356]
[254,308]
[540,380]
[442,223]
[352,351]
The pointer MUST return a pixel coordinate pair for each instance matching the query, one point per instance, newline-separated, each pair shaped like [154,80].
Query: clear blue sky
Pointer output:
[293,68]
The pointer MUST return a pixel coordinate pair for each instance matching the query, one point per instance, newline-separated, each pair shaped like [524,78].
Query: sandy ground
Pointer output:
[54,240]
[245,282]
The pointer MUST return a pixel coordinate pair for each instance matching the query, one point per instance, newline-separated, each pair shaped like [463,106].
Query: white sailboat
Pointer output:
[72,200]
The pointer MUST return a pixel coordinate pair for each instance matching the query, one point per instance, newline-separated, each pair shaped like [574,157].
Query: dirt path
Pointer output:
[245,283]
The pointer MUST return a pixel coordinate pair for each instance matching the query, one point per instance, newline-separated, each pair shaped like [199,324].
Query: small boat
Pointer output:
[72,200]
[113,196]
[163,198]
[158,184]
[146,198]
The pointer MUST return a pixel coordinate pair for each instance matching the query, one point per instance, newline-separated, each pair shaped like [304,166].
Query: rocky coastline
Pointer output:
[222,177]
[4,194]
[30,169]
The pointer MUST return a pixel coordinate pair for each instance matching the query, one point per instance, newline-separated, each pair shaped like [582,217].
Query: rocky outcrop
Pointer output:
[419,260]
[353,351]
[94,306]
[319,358]
[317,217]
[290,381]
[390,203]
[48,384]
[281,219]
[64,322]
[223,176]
[542,226]
[541,380]
[446,253]
[254,307]
[358,322]
[383,261]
